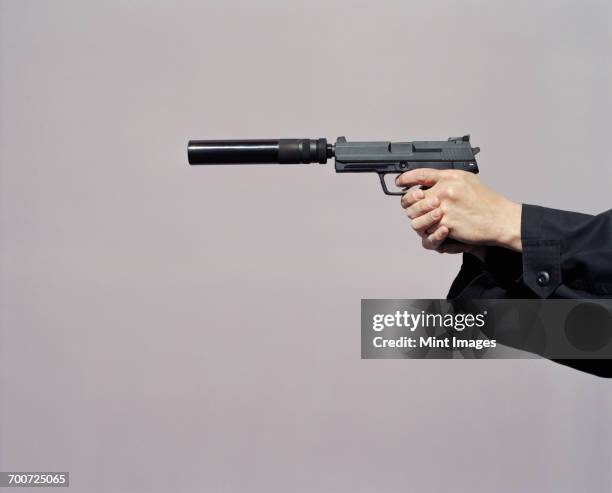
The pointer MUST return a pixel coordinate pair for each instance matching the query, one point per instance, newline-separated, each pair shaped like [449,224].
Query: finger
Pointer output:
[435,239]
[428,231]
[425,221]
[413,195]
[422,206]
[424,176]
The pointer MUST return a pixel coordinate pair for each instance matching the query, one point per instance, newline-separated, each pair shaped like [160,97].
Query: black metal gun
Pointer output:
[383,158]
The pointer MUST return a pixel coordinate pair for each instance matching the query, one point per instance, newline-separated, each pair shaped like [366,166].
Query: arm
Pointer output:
[558,247]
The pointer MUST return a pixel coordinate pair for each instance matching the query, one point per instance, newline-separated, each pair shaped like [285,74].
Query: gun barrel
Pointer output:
[281,151]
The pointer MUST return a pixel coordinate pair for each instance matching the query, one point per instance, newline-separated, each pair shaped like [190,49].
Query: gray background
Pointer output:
[172,329]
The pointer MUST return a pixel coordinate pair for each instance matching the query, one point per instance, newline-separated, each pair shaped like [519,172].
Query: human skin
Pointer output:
[458,205]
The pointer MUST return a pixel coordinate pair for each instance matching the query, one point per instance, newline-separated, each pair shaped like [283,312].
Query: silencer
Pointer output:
[281,151]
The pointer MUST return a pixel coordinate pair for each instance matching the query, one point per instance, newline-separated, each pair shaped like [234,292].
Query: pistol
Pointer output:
[383,158]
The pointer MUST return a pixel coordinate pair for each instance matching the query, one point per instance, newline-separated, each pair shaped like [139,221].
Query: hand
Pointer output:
[433,238]
[458,205]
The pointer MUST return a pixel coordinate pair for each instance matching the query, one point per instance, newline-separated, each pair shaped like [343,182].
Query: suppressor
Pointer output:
[281,151]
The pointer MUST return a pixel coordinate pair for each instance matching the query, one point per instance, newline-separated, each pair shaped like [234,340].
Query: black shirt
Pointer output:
[565,255]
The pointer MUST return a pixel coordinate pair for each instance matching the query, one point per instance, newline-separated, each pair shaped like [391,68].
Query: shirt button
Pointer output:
[543,278]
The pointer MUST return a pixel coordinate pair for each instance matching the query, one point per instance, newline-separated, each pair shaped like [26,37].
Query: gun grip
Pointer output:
[450,241]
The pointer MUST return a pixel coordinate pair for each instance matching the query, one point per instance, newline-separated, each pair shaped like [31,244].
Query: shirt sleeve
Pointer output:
[569,248]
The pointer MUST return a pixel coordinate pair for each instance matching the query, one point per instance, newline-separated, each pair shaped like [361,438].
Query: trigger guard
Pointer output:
[381,176]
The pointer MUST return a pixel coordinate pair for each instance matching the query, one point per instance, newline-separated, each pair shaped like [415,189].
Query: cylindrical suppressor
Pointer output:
[281,151]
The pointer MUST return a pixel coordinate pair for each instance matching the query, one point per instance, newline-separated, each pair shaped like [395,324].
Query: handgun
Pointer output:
[382,157]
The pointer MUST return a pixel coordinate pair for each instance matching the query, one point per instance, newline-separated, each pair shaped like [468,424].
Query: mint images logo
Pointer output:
[414,321]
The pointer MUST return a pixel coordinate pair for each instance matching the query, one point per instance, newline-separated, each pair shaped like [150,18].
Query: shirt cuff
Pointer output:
[541,253]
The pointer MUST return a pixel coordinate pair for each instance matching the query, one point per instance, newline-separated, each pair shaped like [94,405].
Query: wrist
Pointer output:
[509,231]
